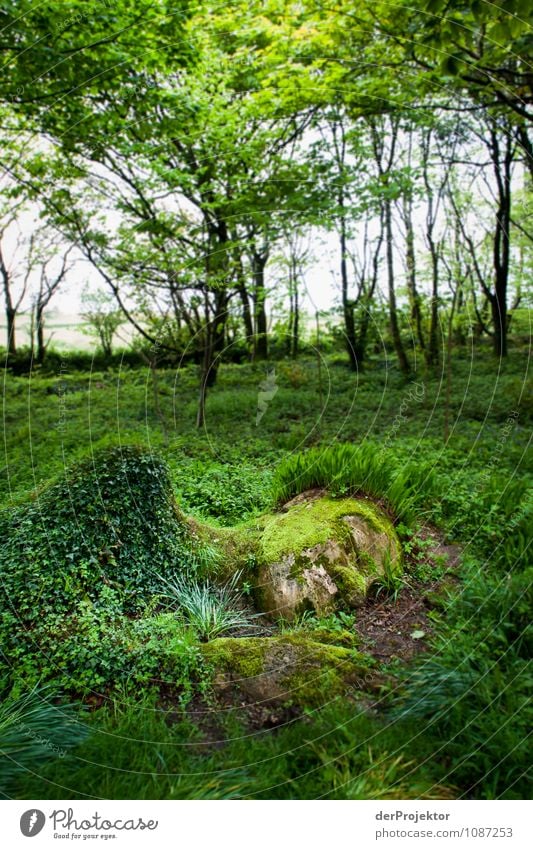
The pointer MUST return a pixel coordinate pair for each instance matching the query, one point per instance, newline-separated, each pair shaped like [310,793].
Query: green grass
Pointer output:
[210,610]
[34,728]
[336,753]
[365,469]
[453,724]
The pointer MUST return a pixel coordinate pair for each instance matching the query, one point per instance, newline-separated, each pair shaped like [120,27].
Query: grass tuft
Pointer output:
[212,611]
[364,469]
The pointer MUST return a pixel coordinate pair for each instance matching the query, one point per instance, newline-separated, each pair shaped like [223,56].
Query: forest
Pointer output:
[265,494]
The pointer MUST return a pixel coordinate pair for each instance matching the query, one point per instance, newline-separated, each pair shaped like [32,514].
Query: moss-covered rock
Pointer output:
[323,553]
[289,669]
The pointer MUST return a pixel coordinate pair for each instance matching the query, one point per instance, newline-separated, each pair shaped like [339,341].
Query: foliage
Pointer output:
[222,491]
[79,559]
[212,137]
[365,469]
[84,641]
[124,42]
[34,728]
[211,611]
[110,522]
[337,752]
[103,318]
[96,650]
[472,692]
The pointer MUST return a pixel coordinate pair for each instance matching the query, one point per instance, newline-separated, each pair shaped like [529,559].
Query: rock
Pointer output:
[289,669]
[321,554]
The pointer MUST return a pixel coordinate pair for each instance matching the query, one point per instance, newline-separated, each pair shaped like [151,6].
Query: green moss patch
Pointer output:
[314,522]
[291,669]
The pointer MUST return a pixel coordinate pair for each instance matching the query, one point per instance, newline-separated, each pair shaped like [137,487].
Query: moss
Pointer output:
[293,668]
[345,639]
[314,522]
[351,583]
[244,655]
[326,671]
[366,563]
[268,538]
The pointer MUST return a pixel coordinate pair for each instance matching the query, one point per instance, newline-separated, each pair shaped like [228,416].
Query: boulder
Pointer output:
[323,553]
[288,669]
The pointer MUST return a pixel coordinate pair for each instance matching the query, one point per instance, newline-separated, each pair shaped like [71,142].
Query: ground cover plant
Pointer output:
[100,627]
[265,490]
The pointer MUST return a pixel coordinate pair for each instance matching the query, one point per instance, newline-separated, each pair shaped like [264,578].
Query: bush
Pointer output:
[79,561]
[97,650]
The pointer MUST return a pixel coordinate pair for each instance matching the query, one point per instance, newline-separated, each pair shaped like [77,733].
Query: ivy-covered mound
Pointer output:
[80,562]
[111,522]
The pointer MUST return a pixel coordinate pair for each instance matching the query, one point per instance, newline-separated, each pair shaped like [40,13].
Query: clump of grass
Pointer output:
[33,730]
[365,469]
[211,610]
[389,584]
[472,694]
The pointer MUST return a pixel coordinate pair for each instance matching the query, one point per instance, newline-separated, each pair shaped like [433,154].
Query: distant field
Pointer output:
[64,330]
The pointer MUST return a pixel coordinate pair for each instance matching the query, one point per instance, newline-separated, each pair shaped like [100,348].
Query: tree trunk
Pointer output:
[414,296]
[449,351]
[347,306]
[527,146]
[41,347]
[246,312]
[296,322]
[360,345]
[502,245]
[403,362]
[432,351]
[217,336]
[206,363]
[290,323]
[259,262]
[11,315]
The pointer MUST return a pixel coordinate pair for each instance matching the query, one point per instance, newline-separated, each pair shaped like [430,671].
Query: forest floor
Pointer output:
[223,474]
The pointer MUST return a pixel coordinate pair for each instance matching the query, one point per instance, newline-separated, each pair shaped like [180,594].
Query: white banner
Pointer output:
[267,825]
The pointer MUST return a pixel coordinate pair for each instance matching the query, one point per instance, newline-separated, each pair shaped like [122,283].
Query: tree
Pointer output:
[435,184]
[291,264]
[14,281]
[52,51]
[103,318]
[384,139]
[499,138]
[483,49]
[48,284]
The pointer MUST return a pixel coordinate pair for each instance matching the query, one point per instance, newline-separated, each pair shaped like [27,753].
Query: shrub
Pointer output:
[111,521]
[96,650]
